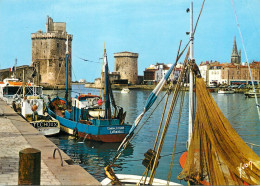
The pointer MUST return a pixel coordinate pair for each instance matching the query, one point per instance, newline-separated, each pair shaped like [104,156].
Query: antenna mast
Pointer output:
[191,77]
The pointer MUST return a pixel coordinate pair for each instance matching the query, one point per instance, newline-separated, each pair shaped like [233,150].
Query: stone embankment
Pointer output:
[15,135]
[151,87]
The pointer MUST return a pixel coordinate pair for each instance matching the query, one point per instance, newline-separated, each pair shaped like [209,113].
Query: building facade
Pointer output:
[229,73]
[49,55]
[18,73]
[154,73]
[126,65]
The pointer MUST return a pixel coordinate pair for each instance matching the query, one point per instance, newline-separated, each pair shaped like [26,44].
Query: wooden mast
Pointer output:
[67,71]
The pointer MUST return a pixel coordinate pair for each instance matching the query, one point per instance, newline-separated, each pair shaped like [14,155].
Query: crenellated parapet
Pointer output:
[61,36]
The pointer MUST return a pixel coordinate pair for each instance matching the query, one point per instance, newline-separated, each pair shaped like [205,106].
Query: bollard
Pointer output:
[29,167]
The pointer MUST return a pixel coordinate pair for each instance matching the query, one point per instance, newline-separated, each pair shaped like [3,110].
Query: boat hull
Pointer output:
[109,138]
[252,95]
[226,92]
[96,129]
[127,179]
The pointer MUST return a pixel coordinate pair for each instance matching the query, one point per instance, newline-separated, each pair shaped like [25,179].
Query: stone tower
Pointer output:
[49,55]
[126,65]
[235,57]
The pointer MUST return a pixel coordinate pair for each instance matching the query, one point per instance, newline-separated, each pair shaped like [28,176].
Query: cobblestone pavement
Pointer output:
[11,142]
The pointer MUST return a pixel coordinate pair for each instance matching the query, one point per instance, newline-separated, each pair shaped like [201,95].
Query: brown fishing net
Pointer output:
[217,155]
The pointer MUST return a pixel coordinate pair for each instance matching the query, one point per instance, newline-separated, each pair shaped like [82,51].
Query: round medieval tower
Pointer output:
[49,55]
[126,65]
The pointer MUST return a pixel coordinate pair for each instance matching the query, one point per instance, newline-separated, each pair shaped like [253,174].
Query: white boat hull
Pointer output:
[127,179]
[125,90]
[49,131]
[226,91]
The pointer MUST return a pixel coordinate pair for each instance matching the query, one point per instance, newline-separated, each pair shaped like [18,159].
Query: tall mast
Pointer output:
[107,99]
[67,70]
[191,77]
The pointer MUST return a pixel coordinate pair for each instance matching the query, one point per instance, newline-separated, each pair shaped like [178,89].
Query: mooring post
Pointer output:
[29,167]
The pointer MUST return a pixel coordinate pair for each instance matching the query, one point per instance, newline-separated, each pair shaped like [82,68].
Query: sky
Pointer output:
[151,28]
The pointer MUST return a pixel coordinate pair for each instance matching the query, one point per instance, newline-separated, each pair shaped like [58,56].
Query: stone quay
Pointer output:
[15,135]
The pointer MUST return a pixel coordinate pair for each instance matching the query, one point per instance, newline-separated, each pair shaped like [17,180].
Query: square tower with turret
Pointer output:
[49,55]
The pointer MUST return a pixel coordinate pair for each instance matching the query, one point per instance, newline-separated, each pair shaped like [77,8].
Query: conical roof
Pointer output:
[234,51]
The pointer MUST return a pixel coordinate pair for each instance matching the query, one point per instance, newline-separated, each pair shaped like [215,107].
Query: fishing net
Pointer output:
[217,155]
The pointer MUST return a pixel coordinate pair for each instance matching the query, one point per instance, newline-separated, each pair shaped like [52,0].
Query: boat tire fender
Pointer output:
[75,132]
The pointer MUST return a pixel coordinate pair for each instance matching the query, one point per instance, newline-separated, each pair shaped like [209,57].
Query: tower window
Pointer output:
[58,45]
[50,63]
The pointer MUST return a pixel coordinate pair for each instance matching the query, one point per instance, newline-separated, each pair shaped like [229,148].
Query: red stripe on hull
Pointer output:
[109,138]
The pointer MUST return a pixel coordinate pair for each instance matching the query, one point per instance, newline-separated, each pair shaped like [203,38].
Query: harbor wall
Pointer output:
[16,135]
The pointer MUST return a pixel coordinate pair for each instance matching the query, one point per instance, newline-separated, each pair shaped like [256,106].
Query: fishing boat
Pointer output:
[90,116]
[125,90]
[225,91]
[32,109]
[216,154]
[12,88]
[28,101]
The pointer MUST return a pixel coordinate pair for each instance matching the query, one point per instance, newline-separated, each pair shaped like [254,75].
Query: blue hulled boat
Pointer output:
[88,116]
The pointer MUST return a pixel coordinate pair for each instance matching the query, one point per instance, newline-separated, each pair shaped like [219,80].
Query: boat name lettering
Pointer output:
[115,128]
[116,132]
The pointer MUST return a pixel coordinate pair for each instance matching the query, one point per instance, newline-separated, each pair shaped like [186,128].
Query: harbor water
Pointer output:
[94,156]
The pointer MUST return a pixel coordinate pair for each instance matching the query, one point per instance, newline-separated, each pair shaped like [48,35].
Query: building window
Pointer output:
[58,45]
[59,64]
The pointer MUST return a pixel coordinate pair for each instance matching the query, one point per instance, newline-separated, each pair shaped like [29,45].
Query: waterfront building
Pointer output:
[161,71]
[204,71]
[149,76]
[215,74]
[154,73]
[239,74]
[82,81]
[126,66]
[229,73]
[18,72]
[49,55]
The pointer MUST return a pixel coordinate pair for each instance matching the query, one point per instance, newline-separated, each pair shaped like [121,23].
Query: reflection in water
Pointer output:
[94,156]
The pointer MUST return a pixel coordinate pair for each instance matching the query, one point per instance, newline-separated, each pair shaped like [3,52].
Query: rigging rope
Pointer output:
[76,78]
[176,136]
[240,33]
[222,157]
[52,93]
[167,122]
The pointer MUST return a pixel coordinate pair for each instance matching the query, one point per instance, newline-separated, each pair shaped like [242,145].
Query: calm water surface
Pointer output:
[94,156]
